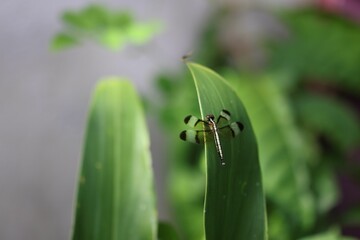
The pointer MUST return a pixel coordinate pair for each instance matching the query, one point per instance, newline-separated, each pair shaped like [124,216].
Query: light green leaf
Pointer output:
[110,28]
[115,193]
[113,38]
[140,33]
[234,205]
[62,41]
[283,154]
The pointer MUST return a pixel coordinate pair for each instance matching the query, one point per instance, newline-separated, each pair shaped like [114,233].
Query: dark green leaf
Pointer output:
[115,193]
[234,205]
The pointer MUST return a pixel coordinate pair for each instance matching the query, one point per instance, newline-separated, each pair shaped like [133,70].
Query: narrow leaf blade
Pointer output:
[115,193]
[234,205]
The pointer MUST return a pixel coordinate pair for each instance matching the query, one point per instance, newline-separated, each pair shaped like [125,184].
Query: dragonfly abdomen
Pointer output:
[215,131]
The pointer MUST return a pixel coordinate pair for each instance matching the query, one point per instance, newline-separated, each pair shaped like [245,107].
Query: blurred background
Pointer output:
[294,64]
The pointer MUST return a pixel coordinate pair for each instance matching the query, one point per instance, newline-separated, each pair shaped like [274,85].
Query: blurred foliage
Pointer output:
[166,232]
[332,234]
[186,182]
[320,47]
[282,149]
[331,117]
[112,29]
[302,106]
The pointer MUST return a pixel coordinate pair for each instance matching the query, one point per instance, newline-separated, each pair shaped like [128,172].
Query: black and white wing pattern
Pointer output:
[203,132]
[211,129]
[195,136]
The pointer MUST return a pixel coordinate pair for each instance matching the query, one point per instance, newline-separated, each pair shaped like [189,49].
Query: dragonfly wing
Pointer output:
[196,136]
[192,136]
[233,129]
[223,118]
[193,121]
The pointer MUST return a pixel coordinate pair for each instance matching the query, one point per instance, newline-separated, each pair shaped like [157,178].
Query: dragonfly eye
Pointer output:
[210,116]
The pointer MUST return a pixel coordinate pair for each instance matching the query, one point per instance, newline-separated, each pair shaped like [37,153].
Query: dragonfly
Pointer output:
[211,130]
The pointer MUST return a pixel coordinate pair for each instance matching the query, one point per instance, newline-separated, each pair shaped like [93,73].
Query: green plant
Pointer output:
[115,195]
[112,29]
[115,192]
[301,107]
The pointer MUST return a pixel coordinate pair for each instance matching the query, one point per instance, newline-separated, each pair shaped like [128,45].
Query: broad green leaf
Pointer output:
[283,154]
[115,192]
[234,204]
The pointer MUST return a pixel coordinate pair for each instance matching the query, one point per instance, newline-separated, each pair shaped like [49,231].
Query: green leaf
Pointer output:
[283,153]
[72,19]
[113,38]
[112,29]
[115,192]
[140,33]
[330,117]
[234,204]
[92,17]
[62,41]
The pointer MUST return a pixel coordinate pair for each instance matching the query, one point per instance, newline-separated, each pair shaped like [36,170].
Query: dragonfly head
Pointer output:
[210,117]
